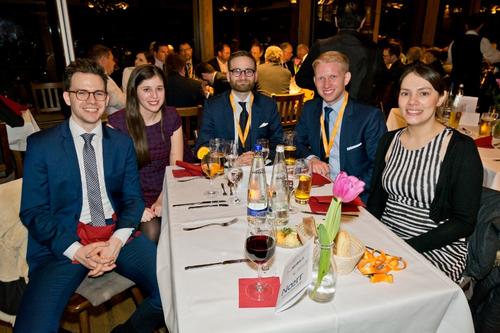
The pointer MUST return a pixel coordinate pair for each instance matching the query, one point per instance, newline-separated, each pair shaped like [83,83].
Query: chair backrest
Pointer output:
[289,107]
[47,96]
[191,121]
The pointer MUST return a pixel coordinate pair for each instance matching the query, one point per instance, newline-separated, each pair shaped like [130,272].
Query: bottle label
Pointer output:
[256,212]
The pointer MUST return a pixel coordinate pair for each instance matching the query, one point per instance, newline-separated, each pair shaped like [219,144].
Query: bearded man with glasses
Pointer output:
[241,114]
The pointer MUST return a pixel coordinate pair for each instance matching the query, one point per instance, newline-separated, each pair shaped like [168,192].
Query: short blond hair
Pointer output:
[332,56]
[273,54]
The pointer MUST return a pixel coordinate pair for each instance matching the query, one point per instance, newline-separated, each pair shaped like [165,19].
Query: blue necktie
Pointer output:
[93,190]
[328,110]
[243,120]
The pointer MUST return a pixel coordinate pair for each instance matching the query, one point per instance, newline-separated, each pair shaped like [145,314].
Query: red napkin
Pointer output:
[484,142]
[189,170]
[247,302]
[14,106]
[320,204]
[319,180]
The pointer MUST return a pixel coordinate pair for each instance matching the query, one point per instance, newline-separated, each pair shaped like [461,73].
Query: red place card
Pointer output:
[247,302]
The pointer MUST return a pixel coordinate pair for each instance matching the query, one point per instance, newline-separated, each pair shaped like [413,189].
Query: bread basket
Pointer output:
[346,265]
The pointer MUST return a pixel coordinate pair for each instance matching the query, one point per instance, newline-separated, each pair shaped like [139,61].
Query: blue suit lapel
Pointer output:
[228,117]
[316,144]
[72,168]
[347,130]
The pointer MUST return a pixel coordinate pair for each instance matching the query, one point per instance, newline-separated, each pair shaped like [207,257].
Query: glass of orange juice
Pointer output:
[210,165]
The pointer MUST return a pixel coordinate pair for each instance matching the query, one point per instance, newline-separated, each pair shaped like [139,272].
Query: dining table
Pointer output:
[421,298]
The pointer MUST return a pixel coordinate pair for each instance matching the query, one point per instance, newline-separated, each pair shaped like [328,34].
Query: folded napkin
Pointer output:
[189,170]
[14,106]
[246,302]
[320,204]
[319,180]
[484,142]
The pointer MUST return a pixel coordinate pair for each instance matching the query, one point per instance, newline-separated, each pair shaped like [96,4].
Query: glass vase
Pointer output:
[323,291]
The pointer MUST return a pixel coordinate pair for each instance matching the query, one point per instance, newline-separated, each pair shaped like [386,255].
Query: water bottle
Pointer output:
[278,190]
[257,187]
[458,96]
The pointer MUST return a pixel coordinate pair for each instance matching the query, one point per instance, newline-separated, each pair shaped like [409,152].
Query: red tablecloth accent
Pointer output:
[320,204]
[189,170]
[484,142]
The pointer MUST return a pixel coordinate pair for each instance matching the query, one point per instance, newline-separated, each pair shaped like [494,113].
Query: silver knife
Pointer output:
[198,203]
[203,206]
[225,262]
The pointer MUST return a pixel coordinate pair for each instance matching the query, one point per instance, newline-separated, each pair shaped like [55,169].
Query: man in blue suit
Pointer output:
[240,114]
[81,201]
[335,133]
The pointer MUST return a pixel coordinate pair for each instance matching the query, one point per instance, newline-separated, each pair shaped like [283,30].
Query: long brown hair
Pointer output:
[135,123]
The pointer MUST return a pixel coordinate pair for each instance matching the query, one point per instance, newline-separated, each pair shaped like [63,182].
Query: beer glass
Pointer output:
[290,148]
[303,177]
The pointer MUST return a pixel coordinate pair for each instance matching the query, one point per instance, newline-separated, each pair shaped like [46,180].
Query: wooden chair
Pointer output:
[92,292]
[48,98]
[289,107]
[191,121]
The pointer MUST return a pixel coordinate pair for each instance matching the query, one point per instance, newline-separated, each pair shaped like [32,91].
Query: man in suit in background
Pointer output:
[81,201]
[186,51]
[219,62]
[287,49]
[335,133]
[366,64]
[240,114]
[181,90]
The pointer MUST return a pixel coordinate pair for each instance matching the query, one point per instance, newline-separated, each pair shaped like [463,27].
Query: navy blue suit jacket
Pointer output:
[51,201]
[362,128]
[218,121]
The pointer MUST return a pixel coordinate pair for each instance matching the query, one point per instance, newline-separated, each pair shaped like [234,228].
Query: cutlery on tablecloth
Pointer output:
[199,203]
[222,224]
[225,262]
[223,189]
[215,205]
[230,185]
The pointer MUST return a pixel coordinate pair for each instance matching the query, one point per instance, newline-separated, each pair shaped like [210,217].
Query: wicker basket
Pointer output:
[346,265]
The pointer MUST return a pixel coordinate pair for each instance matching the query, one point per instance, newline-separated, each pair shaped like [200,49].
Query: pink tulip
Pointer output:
[347,188]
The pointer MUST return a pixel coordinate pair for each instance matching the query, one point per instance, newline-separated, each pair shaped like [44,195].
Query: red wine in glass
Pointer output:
[260,248]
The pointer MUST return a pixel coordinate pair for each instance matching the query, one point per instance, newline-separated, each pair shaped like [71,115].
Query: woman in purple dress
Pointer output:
[156,131]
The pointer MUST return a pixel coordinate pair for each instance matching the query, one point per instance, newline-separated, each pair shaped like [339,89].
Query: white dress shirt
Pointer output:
[117,98]
[236,115]
[76,131]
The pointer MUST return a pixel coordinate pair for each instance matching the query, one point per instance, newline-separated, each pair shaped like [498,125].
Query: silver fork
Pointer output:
[188,179]
[222,224]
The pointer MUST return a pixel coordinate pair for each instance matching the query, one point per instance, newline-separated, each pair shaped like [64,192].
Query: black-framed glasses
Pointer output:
[83,95]
[248,72]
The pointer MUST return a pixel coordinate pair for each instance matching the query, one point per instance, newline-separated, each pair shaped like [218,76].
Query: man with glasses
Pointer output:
[241,114]
[81,201]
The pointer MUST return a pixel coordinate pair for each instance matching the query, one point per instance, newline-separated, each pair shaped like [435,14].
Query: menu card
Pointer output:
[297,275]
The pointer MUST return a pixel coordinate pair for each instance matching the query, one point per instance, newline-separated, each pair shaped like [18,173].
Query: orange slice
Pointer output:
[202,152]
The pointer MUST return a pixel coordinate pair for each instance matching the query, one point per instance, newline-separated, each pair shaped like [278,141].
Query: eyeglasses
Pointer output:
[238,71]
[83,95]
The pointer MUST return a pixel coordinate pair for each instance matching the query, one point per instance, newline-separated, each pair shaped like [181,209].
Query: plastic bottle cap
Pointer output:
[280,149]
[258,148]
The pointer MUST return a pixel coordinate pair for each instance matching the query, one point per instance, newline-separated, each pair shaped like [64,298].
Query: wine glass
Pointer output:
[218,150]
[231,152]
[290,148]
[259,247]
[302,181]
[234,176]
[264,143]
[210,165]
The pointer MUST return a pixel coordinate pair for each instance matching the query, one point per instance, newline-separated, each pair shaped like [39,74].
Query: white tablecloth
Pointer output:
[18,135]
[421,299]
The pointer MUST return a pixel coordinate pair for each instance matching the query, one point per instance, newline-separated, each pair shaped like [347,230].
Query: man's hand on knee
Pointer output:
[89,255]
